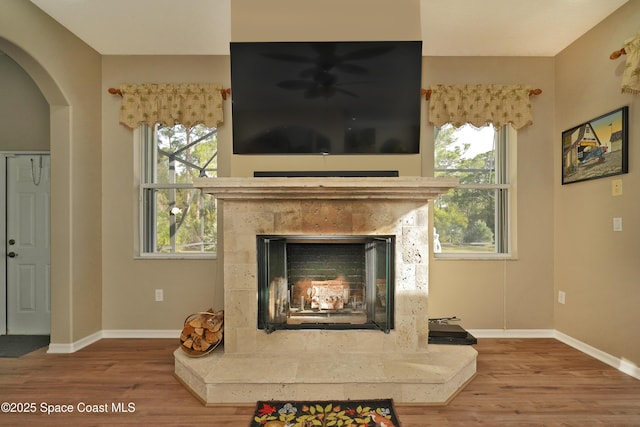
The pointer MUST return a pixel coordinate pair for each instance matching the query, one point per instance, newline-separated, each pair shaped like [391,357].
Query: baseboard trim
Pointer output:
[512,333]
[621,364]
[141,333]
[75,346]
[112,333]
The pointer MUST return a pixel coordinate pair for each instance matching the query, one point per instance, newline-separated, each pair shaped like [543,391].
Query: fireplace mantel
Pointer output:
[326,188]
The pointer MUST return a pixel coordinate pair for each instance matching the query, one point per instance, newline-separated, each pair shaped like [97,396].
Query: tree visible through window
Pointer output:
[473,218]
[176,218]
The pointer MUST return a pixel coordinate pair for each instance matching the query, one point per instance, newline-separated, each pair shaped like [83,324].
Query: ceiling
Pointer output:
[470,27]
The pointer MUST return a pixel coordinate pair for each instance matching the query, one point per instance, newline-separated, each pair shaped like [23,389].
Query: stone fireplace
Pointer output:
[320,362]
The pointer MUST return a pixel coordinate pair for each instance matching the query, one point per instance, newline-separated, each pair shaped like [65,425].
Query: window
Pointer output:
[176,219]
[474,219]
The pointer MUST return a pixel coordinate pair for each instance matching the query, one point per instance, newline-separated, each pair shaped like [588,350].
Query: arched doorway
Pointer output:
[59,147]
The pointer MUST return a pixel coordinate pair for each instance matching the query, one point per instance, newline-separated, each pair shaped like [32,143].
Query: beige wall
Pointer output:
[24,113]
[596,267]
[130,283]
[515,293]
[68,73]
[327,20]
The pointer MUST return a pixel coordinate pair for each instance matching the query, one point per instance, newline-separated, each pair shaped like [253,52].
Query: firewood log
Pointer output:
[202,332]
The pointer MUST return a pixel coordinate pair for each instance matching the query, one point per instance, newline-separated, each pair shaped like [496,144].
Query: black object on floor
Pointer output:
[442,333]
[19,345]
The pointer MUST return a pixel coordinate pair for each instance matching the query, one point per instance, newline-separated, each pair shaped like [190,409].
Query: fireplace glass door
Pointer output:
[325,282]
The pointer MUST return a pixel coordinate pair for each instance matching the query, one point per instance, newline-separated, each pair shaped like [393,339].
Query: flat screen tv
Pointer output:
[326,97]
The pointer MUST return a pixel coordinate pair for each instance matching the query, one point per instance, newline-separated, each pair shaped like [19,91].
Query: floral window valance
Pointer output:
[170,104]
[480,105]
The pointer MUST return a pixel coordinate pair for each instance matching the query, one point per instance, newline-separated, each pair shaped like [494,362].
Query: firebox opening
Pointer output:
[325,282]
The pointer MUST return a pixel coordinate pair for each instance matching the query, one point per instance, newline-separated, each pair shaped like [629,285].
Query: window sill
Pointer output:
[474,257]
[175,256]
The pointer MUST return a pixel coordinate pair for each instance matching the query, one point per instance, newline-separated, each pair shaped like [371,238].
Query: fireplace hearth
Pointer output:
[326,362]
[325,282]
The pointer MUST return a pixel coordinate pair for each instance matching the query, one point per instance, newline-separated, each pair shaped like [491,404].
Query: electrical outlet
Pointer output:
[617,224]
[561,297]
[159,295]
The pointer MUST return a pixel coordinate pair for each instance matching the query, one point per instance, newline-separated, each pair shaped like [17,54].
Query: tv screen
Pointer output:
[326,97]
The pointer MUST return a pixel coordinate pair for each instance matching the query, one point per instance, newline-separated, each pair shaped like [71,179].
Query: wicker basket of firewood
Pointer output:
[202,332]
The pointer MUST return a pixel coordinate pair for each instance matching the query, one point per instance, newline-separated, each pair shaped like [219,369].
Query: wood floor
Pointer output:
[520,382]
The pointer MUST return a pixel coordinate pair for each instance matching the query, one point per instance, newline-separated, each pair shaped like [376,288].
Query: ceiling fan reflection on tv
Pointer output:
[321,79]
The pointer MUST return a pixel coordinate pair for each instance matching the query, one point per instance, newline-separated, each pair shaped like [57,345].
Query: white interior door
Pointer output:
[28,244]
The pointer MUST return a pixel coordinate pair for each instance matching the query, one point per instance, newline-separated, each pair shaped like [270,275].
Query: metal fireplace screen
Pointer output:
[325,282]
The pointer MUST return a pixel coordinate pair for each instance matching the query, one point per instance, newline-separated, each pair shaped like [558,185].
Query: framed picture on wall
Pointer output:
[597,148]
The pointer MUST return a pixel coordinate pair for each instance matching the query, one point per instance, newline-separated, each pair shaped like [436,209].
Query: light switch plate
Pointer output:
[616,187]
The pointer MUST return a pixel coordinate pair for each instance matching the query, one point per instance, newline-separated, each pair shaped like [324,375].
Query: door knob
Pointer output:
[12,254]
